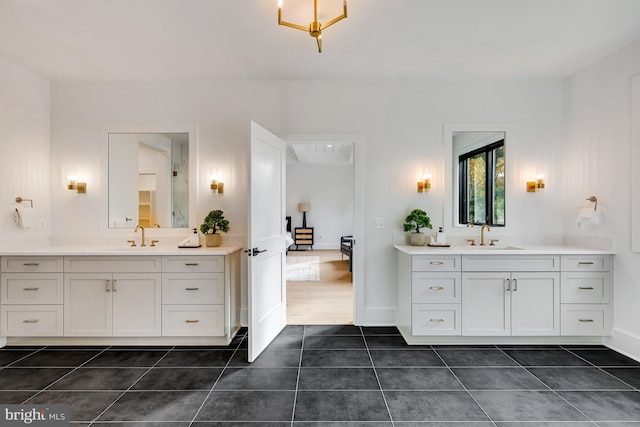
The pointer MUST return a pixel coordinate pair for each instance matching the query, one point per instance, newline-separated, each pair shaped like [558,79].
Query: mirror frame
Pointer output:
[451,190]
[192,130]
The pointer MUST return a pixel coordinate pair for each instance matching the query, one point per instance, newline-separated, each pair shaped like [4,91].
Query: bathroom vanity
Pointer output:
[94,296]
[503,295]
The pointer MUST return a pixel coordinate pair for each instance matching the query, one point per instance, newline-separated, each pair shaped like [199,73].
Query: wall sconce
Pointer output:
[217,186]
[74,184]
[425,184]
[537,185]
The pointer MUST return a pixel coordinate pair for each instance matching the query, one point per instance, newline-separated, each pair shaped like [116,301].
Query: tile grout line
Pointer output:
[545,384]
[193,420]
[463,386]
[603,370]
[375,372]
[129,388]
[295,396]
[65,375]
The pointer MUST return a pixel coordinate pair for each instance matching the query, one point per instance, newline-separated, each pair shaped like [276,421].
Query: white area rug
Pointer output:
[303,268]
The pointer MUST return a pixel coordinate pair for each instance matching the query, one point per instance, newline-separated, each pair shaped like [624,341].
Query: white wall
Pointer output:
[597,162]
[329,190]
[401,122]
[24,149]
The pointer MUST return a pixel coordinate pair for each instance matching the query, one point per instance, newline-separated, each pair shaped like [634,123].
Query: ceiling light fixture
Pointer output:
[315,28]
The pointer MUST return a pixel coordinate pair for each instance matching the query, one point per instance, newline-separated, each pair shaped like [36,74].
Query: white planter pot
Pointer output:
[418,239]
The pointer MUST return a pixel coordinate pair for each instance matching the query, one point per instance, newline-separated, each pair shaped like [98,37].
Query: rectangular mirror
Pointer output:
[476,185]
[149,180]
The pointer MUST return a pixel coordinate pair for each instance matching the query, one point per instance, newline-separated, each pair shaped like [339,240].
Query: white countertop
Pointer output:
[500,250]
[124,249]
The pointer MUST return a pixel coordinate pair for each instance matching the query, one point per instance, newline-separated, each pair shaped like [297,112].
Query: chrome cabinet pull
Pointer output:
[586,320]
[192,321]
[192,289]
[437,320]
[115,281]
[437,288]
[31,264]
[585,262]
[30,289]
[508,285]
[437,263]
[515,285]
[30,321]
[108,282]
[190,264]
[585,288]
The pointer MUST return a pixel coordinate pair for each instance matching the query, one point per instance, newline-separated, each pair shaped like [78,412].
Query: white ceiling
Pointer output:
[100,40]
[333,153]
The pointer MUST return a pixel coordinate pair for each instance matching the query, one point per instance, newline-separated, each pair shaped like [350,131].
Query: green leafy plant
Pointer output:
[213,222]
[416,220]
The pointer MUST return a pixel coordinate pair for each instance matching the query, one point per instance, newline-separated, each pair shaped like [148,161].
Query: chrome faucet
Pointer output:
[482,233]
[136,230]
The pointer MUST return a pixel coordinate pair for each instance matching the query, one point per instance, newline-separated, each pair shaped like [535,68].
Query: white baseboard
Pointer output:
[3,342]
[625,343]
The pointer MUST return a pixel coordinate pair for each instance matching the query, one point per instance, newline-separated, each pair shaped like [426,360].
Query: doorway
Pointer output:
[321,190]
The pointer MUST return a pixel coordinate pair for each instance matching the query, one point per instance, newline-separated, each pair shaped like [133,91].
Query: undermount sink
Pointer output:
[493,248]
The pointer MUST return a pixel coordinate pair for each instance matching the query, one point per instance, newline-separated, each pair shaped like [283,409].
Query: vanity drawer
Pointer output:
[31,288]
[435,263]
[435,287]
[436,319]
[585,319]
[585,288]
[32,264]
[31,321]
[586,262]
[199,264]
[193,320]
[193,288]
[112,264]
[511,263]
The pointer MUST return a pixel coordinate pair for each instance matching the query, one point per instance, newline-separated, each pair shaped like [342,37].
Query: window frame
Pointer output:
[489,151]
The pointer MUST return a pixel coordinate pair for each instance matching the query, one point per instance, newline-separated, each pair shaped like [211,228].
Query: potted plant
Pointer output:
[213,222]
[416,220]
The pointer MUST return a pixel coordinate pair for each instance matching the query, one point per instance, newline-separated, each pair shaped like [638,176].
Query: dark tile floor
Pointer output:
[328,376]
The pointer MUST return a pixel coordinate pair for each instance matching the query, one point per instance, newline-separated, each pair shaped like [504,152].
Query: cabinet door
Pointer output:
[486,308]
[137,306]
[87,305]
[535,304]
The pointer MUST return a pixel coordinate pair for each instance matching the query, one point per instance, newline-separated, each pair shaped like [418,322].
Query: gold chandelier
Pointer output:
[315,28]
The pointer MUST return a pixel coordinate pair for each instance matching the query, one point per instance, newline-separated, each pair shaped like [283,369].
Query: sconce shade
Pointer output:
[304,207]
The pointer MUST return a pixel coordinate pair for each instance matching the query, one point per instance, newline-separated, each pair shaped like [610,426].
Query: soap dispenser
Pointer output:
[441,237]
[195,239]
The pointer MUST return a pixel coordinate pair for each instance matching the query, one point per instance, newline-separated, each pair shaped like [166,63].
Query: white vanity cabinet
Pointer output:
[586,294]
[31,296]
[429,294]
[193,296]
[511,295]
[112,296]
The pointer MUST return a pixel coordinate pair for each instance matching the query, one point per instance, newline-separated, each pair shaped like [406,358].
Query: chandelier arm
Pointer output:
[334,20]
[339,18]
[296,26]
[319,41]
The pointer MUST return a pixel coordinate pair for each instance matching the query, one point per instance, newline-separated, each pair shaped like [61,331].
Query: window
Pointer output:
[482,185]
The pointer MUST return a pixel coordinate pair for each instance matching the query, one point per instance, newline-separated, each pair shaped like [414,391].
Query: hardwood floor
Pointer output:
[326,302]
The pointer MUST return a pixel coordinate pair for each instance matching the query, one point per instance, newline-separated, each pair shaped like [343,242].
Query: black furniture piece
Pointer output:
[303,236]
[346,248]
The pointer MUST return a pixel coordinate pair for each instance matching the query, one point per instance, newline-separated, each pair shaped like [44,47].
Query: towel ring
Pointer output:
[20,200]
[594,199]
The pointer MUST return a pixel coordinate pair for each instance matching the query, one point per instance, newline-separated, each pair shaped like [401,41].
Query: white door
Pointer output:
[535,304]
[267,292]
[88,305]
